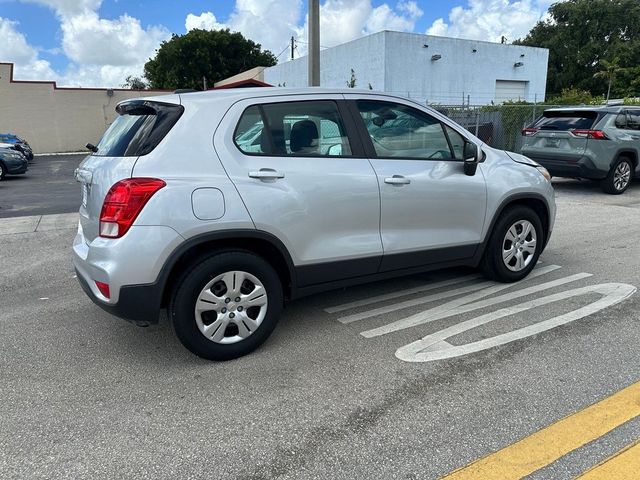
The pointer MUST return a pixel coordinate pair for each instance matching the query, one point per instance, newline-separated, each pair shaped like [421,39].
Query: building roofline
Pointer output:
[440,37]
[242,83]
[55,86]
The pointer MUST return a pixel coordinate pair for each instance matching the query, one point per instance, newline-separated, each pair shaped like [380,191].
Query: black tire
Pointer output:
[610,184]
[3,171]
[191,284]
[492,264]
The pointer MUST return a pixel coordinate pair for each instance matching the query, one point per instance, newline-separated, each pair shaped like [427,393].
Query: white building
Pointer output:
[437,70]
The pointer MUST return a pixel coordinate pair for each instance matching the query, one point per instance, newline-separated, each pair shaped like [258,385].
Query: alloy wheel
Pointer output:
[519,245]
[621,176]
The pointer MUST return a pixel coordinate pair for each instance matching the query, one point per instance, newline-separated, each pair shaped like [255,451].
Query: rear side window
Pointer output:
[629,120]
[138,129]
[310,128]
[566,120]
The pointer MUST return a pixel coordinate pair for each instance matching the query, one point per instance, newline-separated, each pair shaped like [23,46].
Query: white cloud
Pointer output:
[411,8]
[69,7]
[102,52]
[90,40]
[15,48]
[340,21]
[204,21]
[491,19]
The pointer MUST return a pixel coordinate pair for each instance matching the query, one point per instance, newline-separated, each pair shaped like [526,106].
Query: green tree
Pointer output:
[580,35]
[573,96]
[134,83]
[185,60]
[609,72]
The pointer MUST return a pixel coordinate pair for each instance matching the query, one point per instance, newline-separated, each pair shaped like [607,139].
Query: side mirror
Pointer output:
[471,158]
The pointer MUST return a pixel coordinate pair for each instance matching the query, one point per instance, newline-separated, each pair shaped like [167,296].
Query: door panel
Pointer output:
[322,204]
[441,208]
[431,212]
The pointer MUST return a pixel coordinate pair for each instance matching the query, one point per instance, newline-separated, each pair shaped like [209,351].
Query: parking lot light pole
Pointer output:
[314,43]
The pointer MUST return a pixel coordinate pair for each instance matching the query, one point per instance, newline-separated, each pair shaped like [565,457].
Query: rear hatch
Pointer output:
[139,128]
[557,135]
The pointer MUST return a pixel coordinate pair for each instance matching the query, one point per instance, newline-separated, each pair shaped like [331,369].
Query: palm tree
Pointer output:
[609,71]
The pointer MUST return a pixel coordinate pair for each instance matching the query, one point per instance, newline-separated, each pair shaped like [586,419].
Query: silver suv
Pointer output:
[601,143]
[220,206]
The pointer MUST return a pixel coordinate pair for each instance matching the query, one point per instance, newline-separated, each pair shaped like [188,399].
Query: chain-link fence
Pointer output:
[498,125]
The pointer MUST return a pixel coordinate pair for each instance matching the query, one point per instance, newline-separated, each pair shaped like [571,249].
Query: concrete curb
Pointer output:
[59,154]
[38,223]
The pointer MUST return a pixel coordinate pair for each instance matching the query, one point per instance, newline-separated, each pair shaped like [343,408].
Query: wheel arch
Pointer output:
[267,246]
[626,152]
[534,201]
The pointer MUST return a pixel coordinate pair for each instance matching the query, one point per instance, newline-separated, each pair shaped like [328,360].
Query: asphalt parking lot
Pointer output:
[404,379]
[48,187]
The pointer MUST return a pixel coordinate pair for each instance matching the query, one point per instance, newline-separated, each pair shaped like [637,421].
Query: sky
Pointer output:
[98,43]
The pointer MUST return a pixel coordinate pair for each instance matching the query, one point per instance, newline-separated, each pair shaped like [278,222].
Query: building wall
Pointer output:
[365,56]
[56,119]
[401,63]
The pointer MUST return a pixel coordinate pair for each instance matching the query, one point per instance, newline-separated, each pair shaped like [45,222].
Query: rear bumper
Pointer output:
[139,304]
[130,266]
[579,166]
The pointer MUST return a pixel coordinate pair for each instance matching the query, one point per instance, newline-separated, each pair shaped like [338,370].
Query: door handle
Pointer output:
[397,180]
[266,174]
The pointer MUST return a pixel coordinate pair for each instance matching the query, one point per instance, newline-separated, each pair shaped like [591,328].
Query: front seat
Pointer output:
[304,138]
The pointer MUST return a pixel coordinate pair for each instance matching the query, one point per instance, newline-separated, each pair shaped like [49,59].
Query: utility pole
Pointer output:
[293,46]
[314,43]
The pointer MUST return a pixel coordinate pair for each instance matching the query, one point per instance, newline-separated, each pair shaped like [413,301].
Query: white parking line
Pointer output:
[413,302]
[488,287]
[437,313]
[400,293]
[434,347]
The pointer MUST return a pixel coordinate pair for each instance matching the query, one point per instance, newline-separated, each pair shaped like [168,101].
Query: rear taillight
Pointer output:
[529,132]
[123,203]
[594,134]
[104,289]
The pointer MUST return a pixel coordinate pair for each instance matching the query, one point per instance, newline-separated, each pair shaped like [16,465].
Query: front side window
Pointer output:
[400,131]
[310,128]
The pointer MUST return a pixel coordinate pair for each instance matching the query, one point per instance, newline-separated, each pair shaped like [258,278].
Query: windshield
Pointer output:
[139,129]
[566,120]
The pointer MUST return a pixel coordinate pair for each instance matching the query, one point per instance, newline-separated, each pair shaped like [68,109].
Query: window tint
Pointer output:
[293,129]
[401,131]
[138,129]
[566,120]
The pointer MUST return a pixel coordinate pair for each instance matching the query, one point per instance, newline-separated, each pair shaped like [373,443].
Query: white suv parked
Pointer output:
[222,205]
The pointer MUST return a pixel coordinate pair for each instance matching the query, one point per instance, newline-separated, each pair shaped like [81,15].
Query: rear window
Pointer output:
[566,120]
[138,129]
